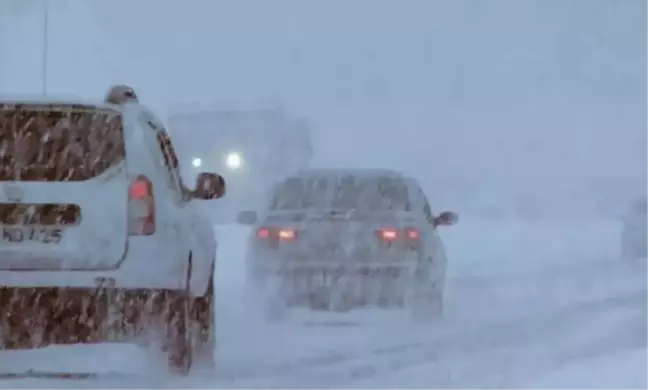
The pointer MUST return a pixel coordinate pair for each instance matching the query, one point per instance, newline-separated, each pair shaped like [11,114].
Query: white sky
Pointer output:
[527,89]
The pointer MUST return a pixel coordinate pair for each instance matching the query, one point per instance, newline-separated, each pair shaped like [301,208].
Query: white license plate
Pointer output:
[381,272]
[43,235]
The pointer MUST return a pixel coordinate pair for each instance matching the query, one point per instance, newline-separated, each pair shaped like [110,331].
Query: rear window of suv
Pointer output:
[349,192]
[58,142]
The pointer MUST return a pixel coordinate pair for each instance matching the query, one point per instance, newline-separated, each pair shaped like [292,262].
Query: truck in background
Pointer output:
[250,145]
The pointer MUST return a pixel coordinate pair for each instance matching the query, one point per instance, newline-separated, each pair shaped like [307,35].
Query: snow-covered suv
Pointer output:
[98,240]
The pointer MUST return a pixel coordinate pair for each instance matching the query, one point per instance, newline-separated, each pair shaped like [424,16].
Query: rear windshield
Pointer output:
[342,193]
[58,143]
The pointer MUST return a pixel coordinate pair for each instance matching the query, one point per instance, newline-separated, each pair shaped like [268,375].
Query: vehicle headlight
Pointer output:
[233,160]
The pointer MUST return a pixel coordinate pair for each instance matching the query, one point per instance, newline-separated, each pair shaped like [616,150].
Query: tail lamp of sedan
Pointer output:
[408,238]
[276,234]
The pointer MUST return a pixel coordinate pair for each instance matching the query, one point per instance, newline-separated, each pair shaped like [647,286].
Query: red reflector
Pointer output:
[412,233]
[389,234]
[139,189]
[263,233]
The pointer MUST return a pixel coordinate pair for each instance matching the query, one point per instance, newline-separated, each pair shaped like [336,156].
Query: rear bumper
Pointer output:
[148,264]
[279,264]
[37,317]
[336,285]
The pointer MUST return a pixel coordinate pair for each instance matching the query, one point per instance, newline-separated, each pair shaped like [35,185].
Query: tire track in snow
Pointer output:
[448,328]
[339,370]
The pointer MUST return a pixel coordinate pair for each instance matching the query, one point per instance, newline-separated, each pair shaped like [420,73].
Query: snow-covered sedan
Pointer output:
[97,238]
[634,235]
[343,239]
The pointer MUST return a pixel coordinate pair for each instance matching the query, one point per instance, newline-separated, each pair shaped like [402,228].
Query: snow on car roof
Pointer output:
[57,101]
[115,96]
[358,172]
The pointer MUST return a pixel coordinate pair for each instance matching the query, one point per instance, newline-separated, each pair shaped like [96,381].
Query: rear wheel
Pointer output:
[626,253]
[204,319]
[429,308]
[427,293]
[272,294]
[266,293]
[179,332]
[632,250]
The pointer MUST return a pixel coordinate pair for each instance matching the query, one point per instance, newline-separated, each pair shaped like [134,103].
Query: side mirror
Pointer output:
[247,217]
[446,218]
[209,186]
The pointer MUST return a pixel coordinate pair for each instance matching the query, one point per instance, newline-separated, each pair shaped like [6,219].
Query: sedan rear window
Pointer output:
[349,192]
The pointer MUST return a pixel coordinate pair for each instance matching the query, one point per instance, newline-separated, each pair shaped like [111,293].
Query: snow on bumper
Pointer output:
[43,316]
[401,264]
[146,266]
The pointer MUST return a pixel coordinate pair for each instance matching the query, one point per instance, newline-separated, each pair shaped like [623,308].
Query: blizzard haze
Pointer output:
[534,98]
[459,89]
[526,117]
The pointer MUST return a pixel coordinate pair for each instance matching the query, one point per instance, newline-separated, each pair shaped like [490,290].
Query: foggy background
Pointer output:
[533,107]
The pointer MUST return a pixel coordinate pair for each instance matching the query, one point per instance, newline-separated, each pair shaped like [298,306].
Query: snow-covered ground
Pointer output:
[623,370]
[528,305]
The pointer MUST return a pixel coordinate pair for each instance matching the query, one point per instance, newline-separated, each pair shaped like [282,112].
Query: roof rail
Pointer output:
[120,94]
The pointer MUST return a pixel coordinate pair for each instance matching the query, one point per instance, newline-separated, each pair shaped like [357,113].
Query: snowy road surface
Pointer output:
[622,370]
[528,305]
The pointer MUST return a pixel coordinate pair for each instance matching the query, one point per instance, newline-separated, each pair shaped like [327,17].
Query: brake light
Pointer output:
[412,233]
[139,189]
[287,234]
[408,236]
[388,234]
[141,207]
[263,233]
[283,234]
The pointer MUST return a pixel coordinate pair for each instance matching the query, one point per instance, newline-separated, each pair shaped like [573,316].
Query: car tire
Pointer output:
[204,321]
[429,308]
[179,332]
[427,295]
[629,251]
[274,301]
[626,253]
[275,311]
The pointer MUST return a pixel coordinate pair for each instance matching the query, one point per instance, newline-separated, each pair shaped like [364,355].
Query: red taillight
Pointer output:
[388,234]
[139,189]
[287,234]
[407,236]
[141,207]
[263,233]
[412,233]
[283,234]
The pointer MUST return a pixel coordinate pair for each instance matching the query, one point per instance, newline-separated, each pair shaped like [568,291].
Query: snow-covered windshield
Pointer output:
[342,193]
[58,143]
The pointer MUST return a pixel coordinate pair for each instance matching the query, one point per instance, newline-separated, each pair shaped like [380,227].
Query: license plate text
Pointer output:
[22,234]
